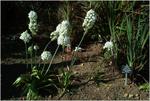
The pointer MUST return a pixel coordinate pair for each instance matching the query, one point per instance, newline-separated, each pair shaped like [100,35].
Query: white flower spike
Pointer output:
[33,26]
[60,40]
[32,15]
[61,30]
[25,36]
[46,55]
[63,40]
[89,20]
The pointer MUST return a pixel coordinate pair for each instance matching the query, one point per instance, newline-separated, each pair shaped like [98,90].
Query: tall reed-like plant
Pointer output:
[137,39]
[129,31]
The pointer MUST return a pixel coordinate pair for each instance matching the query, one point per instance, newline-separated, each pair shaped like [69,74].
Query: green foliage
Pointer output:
[122,22]
[108,55]
[145,87]
[32,83]
[129,31]
[99,77]
[64,12]
[136,41]
[65,79]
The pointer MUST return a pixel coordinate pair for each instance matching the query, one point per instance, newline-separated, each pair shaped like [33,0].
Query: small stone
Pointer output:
[125,95]
[110,63]
[130,95]
[50,96]
[75,72]
[82,64]
[136,95]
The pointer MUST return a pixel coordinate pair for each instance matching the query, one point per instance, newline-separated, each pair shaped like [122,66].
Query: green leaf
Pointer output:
[145,87]
[18,81]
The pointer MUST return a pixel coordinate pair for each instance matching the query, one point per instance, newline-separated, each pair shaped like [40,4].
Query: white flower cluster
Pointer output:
[54,35]
[46,55]
[108,45]
[63,40]
[61,33]
[89,20]
[25,36]
[33,26]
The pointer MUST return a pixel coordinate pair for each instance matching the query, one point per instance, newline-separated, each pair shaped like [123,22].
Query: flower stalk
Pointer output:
[26,53]
[52,60]
[126,79]
[74,58]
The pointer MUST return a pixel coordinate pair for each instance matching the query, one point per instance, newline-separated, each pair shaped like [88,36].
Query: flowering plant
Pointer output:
[61,30]
[33,26]
[108,45]
[46,55]
[89,20]
[34,81]
[88,23]
[109,52]
[25,36]
[63,40]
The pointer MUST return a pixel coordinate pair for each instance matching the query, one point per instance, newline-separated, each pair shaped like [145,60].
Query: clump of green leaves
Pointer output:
[65,81]
[145,87]
[34,82]
[129,32]
[137,38]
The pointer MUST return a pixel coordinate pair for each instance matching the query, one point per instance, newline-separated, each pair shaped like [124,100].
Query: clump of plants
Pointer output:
[126,35]
[40,78]
[36,80]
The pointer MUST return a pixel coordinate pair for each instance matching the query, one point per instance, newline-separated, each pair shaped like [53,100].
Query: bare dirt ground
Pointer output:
[95,77]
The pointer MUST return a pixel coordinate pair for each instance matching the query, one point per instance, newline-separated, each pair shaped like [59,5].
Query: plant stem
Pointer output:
[32,57]
[47,45]
[63,92]
[45,49]
[52,59]
[26,55]
[43,68]
[126,77]
[31,60]
[35,58]
[74,58]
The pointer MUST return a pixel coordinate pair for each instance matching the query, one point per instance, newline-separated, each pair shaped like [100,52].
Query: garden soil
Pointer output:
[95,78]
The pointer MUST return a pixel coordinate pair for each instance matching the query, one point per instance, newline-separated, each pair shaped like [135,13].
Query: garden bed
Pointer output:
[91,50]
[94,79]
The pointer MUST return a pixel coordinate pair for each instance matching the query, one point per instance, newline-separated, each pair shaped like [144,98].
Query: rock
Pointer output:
[130,95]
[125,95]
[136,95]
[82,64]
